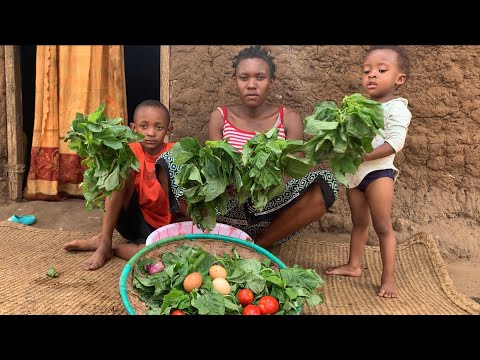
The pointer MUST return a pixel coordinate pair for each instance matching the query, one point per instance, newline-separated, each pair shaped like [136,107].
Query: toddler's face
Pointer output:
[381,74]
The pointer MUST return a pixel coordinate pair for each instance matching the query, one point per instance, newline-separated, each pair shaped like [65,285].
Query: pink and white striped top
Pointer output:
[237,138]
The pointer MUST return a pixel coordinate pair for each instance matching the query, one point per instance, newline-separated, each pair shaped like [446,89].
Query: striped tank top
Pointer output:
[237,138]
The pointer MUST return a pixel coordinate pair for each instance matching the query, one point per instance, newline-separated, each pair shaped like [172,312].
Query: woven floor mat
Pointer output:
[425,287]
[26,254]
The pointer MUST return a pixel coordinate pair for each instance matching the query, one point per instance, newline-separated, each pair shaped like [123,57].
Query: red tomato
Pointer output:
[251,310]
[177,312]
[245,296]
[268,305]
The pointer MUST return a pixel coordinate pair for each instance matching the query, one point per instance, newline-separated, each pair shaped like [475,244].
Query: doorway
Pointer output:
[28,54]
[142,75]
[142,79]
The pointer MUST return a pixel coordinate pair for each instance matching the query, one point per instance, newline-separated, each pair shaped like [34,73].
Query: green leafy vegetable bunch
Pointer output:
[102,143]
[342,135]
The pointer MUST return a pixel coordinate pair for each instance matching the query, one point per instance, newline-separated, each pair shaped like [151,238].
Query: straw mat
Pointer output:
[425,287]
[26,254]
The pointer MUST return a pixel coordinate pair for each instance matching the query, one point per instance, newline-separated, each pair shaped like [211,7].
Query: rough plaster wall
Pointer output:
[439,184]
[3,131]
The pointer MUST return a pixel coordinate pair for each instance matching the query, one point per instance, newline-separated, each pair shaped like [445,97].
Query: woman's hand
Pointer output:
[286,178]
[231,190]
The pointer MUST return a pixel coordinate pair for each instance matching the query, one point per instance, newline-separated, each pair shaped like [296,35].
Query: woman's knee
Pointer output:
[315,199]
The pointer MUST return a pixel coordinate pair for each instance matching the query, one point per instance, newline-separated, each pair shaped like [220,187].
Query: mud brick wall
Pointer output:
[440,164]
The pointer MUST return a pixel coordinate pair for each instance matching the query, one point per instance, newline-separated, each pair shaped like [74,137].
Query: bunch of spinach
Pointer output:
[265,157]
[102,143]
[163,292]
[342,135]
[205,174]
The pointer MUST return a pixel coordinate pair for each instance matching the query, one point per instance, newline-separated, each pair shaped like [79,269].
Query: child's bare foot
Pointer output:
[84,245]
[388,289]
[98,259]
[344,270]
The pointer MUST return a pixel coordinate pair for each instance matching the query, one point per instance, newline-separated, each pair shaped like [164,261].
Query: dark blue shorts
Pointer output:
[131,223]
[374,175]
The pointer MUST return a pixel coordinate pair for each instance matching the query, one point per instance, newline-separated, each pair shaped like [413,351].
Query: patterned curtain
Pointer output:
[69,79]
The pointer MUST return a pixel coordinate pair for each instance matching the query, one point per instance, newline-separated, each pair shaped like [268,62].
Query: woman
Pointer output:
[304,200]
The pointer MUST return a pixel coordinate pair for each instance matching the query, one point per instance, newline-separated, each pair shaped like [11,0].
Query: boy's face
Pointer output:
[381,74]
[252,78]
[152,123]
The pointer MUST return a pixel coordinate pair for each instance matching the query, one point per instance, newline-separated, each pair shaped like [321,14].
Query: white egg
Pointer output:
[221,285]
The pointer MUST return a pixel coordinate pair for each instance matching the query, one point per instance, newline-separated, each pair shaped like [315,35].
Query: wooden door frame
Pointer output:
[15,148]
[165,79]
[165,75]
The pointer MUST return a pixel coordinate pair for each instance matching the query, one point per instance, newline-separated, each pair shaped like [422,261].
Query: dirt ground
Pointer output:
[71,215]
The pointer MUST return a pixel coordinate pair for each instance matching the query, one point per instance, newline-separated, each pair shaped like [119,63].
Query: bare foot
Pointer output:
[102,248]
[84,245]
[98,259]
[388,289]
[344,270]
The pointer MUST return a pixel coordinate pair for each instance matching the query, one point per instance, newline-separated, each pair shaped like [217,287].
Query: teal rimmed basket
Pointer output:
[215,244]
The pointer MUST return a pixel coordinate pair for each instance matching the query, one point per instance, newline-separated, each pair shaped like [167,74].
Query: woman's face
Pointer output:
[252,78]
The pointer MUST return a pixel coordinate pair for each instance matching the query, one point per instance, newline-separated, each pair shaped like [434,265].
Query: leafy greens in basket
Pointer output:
[163,291]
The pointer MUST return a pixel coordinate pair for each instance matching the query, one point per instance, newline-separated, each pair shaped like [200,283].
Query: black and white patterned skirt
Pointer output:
[245,217]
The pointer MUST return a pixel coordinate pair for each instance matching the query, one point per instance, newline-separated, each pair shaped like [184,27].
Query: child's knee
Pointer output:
[361,220]
[382,227]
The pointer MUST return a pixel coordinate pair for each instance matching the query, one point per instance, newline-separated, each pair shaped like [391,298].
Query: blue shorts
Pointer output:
[132,224]
[374,175]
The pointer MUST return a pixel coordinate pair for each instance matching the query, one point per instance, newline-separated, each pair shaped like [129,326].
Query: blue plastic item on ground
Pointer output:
[25,219]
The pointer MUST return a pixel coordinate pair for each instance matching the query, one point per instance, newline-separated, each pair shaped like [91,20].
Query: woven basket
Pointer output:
[214,244]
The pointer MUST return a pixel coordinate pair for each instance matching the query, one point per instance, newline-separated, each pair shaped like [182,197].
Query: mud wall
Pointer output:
[440,164]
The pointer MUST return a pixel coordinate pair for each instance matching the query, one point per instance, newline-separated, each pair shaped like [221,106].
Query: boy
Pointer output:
[141,206]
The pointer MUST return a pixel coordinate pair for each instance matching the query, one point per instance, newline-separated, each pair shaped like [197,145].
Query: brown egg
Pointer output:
[217,271]
[192,281]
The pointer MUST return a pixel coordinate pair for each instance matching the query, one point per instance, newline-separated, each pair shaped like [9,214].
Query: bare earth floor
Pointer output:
[71,215]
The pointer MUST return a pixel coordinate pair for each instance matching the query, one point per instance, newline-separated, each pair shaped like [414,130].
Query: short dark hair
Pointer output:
[254,52]
[152,103]
[403,60]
